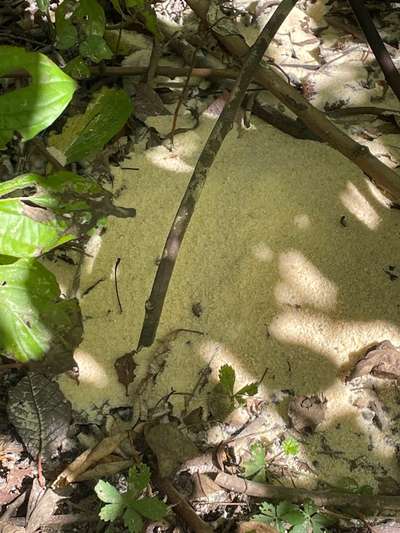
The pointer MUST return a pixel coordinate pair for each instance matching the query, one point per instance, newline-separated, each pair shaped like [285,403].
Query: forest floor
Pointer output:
[289,271]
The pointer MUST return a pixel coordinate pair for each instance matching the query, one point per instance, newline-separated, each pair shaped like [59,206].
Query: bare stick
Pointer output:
[370,504]
[172,72]
[154,304]
[384,177]
[374,40]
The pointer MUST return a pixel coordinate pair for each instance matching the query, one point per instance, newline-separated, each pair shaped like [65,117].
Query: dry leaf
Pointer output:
[382,361]
[170,445]
[125,367]
[255,527]
[41,415]
[88,458]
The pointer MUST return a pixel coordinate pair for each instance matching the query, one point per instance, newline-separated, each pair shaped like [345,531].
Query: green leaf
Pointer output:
[67,34]
[254,468]
[227,378]
[290,446]
[117,6]
[151,508]
[138,478]
[77,68]
[107,493]
[248,390]
[43,5]
[110,512]
[31,109]
[91,17]
[268,509]
[33,224]
[133,521]
[323,520]
[85,135]
[95,48]
[33,319]
[150,21]
[300,528]
[309,508]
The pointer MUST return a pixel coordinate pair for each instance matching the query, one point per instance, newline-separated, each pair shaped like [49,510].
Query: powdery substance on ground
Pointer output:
[281,282]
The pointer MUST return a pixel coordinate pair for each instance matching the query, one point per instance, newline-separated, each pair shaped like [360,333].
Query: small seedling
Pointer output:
[254,467]
[290,446]
[132,506]
[227,378]
[287,516]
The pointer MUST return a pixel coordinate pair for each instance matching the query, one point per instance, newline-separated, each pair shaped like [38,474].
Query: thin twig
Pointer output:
[171,72]
[383,176]
[117,262]
[156,52]
[224,124]
[374,40]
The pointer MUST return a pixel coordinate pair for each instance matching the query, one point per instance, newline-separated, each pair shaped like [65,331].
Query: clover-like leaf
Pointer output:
[254,467]
[133,521]
[31,109]
[290,446]
[110,512]
[151,508]
[138,478]
[227,378]
[107,493]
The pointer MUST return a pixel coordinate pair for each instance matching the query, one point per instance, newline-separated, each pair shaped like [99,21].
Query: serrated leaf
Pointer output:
[248,390]
[133,521]
[138,478]
[91,17]
[290,446]
[43,5]
[77,68]
[67,34]
[309,508]
[31,109]
[300,528]
[322,520]
[267,509]
[85,135]
[254,467]
[264,519]
[107,493]
[284,508]
[40,414]
[294,517]
[227,378]
[151,508]
[110,512]
[34,322]
[95,48]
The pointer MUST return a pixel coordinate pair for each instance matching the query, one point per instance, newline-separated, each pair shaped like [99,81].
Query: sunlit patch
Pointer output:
[216,354]
[171,161]
[359,206]
[303,284]
[263,252]
[92,250]
[90,372]
[302,221]
[336,339]
[377,194]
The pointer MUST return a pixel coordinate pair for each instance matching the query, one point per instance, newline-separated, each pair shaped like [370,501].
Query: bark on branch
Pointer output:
[369,504]
[154,304]
[384,177]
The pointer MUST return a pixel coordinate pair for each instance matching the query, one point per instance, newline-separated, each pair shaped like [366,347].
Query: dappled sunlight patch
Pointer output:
[262,252]
[303,284]
[359,206]
[336,339]
[92,250]
[167,160]
[302,221]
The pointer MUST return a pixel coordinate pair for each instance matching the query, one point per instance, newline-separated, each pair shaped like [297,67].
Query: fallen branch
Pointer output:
[369,504]
[182,508]
[385,178]
[171,72]
[382,56]
[155,303]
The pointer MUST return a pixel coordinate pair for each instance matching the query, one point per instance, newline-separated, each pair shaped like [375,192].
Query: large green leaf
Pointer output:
[91,16]
[34,322]
[44,213]
[31,109]
[67,34]
[85,135]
